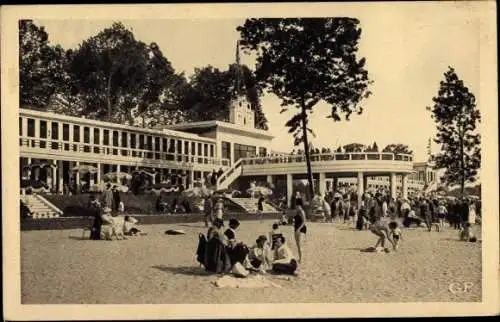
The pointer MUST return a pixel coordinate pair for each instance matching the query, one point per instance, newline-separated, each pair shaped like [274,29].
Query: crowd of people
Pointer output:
[221,251]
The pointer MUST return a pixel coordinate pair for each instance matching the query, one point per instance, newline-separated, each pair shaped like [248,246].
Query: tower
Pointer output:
[240,111]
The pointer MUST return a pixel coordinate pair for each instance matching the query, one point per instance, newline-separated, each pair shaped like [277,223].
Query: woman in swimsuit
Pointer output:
[299,223]
[379,225]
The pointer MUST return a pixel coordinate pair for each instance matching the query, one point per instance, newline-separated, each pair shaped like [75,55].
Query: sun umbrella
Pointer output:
[198,192]
[117,175]
[259,190]
[85,168]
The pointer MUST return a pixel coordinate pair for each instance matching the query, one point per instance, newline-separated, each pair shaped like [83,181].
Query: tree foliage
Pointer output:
[115,74]
[397,148]
[41,66]
[456,117]
[354,147]
[211,91]
[307,60]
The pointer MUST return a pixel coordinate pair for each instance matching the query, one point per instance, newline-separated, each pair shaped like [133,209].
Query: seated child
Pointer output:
[230,233]
[259,255]
[129,226]
[284,220]
[274,235]
[397,235]
[111,226]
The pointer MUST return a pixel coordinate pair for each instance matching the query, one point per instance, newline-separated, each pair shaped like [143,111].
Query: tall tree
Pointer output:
[354,147]
[41,66]
[213,89]
[456,116]
[116,74]
[304,61]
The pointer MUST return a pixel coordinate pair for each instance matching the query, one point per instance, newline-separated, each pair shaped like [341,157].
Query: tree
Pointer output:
[375,147]
[397,148]
[212,91]
[354,147]
[456,117]
[41,66]
[307,60]
[115,74]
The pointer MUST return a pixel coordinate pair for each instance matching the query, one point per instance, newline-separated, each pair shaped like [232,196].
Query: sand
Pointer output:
[58,267]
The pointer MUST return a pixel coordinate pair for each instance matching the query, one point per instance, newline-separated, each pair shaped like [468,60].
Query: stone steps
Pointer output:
[38,208]
[250,205]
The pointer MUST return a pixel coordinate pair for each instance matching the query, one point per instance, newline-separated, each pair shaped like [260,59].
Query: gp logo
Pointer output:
[460,288]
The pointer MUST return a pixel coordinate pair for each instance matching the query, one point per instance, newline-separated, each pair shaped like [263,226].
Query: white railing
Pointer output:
[289,158]
[49,204]
[95,149]
[230,175]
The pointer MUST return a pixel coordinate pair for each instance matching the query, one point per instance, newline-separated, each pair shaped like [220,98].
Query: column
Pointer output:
[99,172]
[37,132]
[120,142]
[231,155]
[118,170]
[191,179]
[289,189]
[53,178]
[28,160]
[269,179]
[365,183]
[393,185]
[77,174]
[335,183]
[153,179]
[322,183]
[361,185]
[404,186]
[71,137]
[60,175]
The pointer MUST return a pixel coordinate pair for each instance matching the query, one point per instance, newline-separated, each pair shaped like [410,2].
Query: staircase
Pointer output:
[229,175]
[431,186]
[41,207]
[250,204]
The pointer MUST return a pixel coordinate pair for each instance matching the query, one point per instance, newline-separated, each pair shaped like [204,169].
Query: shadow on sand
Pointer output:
[184,270]
[78,237]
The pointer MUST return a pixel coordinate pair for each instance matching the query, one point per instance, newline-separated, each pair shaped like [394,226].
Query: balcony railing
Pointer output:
[288,158]
[94,149]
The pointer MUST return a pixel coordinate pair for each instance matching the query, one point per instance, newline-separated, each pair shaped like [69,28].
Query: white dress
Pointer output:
[472,214]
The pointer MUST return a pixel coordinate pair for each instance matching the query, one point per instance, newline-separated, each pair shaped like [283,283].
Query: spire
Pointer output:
[238,69]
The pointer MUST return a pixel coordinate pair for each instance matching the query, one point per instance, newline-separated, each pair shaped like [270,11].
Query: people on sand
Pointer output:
[300,228]
[215,229]
[130,227]
[95,207]
[466,234]
[260,206]
[230,233]
[283,262]
[107,197]
[116,199]
[260,255]
[396,233]
[111,226]
[379,225]
[275,234]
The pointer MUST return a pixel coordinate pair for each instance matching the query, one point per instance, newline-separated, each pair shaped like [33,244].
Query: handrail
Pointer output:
[289,158]
[228,172]
[49,204]
[91,148]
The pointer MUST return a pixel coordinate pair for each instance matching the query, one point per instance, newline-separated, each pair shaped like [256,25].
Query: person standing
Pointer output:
[260,207]
[300,227]
[472,213]
[116,198]
[426,213]
[107,197]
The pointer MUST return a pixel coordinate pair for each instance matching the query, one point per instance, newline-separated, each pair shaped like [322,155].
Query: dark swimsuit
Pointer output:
[297,222]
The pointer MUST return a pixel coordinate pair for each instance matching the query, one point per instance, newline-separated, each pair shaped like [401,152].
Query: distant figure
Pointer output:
[219,209]
[260,207]
[208,210]
[466,234]
[299,226]
[472,214]
[220,172]
[116,199]
[396,232]
[274,235]
[213,178]
[107,197]
[130,226]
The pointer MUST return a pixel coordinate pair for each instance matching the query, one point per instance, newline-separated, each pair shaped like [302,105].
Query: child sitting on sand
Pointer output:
[259,255]
[396,233]
[129,226]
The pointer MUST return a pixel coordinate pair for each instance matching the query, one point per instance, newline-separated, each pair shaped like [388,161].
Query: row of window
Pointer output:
[112,138]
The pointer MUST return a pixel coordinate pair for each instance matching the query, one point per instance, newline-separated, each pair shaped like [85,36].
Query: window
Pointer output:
[124,140]
[86,134]
[31,128]
[211,150]
[43,134]
[165,144]
[76,133]
[193,147]
[115,138]
[186,147]
[96,136]
[96,140]
[141,141]
[133,141]
[157,143]
[65,132]
[205,150]
[226,150]
[179,146]
[54,132]
[20,126]
[243,151]
[199,149]
[86,139]
[262,152]
[105,137]
[150,143]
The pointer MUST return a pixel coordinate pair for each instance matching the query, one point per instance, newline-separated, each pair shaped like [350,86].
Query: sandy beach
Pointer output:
[58,267]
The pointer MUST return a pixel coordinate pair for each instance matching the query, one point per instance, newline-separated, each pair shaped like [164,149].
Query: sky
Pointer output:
[406,57]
